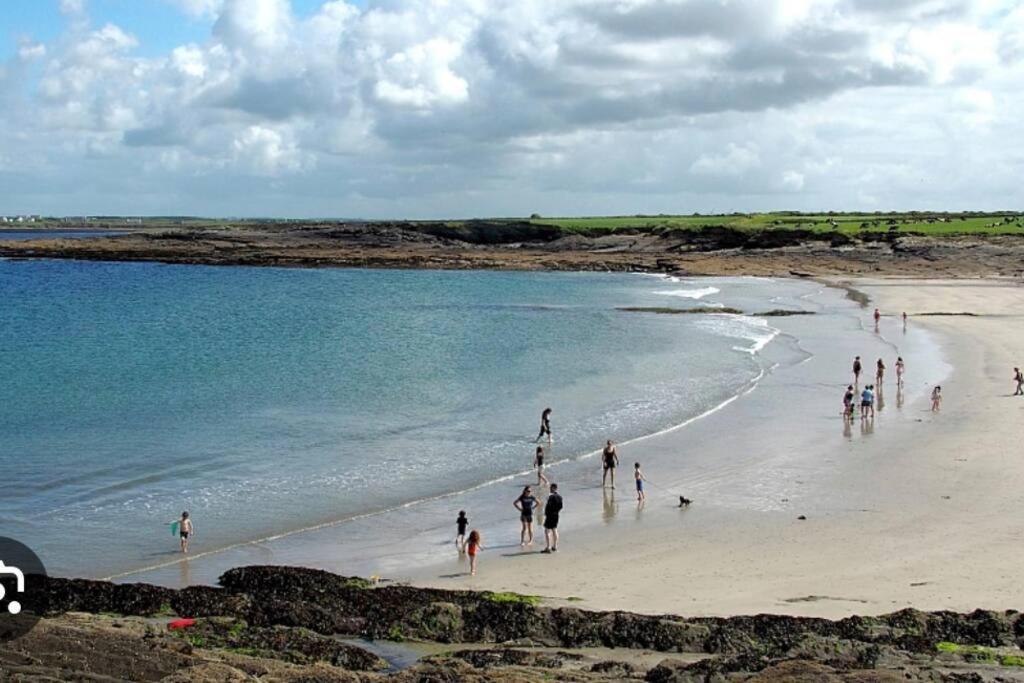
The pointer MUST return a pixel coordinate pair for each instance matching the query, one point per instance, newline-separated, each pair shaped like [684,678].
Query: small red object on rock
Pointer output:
[181,623]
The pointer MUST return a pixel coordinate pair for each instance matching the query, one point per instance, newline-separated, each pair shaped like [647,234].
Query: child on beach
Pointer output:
[878,318]
[1018,377]
[538,462]
[900,367]
[936,399]
[640,479]
[879,372]
[856,370]
[545,425]
[473,546]
[460,536]
[184,531]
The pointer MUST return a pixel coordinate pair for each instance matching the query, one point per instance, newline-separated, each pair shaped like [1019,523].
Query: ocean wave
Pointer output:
[698,293]
[755,330]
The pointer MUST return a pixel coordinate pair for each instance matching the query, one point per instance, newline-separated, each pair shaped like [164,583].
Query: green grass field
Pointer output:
[1003,223]
[928,224]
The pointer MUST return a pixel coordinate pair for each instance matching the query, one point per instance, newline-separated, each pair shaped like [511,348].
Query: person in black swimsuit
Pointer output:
[552,509]
[538,462]
[525,503]
[545,425]
[609,460]
[856,371]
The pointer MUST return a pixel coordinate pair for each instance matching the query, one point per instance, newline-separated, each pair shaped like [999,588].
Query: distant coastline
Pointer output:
[905,245]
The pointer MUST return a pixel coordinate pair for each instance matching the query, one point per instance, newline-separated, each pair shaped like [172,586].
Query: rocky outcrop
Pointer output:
[522,245]
[280,621]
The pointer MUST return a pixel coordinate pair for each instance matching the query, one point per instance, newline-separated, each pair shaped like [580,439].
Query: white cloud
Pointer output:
[265,151]
[793,180]
[735,160]
[469,106]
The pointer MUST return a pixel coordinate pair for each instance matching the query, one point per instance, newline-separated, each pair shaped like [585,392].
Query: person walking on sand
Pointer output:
[1018,377]
[878,318]
[525,503]
[473,546]
[848,403]
[460,531]
[936,399]
[640,479]
[538,462]
[184,531]
[900,368]
[552,509]
[609,461]
[545,425]
[879,372]
[904,321]
[867,403]
[856,371]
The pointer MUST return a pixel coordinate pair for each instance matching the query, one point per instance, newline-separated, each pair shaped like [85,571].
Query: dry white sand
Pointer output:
[931,513]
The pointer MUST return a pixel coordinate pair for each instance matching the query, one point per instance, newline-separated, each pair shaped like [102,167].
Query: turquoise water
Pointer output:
[266,400]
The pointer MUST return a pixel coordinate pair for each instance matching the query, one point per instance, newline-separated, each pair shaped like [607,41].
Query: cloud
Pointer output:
[467,106]
[736,160]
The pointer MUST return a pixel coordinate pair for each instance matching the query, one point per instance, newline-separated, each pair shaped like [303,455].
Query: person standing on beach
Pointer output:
[545,425]
[879,372]
[473,546]
[856,371]
[900,367]
[878,318]
[460,526]
[1018,377]
[538,462]
[525,503]
[609,461]
[640,479]
[936,399]
[848,403]
[904,321]
[552,509]
[184,531]
[867,403]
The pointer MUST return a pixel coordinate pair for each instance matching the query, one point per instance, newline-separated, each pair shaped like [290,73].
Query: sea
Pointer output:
[270,400]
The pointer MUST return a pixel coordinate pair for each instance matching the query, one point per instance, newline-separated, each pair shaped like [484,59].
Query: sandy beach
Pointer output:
[923,513]
[912,509]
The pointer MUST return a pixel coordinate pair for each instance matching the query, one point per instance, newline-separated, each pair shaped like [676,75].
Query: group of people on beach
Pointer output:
[871,392]
[527,502]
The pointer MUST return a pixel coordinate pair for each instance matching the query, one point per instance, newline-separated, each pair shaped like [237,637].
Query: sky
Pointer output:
[462,108]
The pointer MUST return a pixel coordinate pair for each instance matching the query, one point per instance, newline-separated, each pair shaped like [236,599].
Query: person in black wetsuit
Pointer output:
[545,425]
[460,525]
[609,461]
[552,509]
[856,371]
[525,503]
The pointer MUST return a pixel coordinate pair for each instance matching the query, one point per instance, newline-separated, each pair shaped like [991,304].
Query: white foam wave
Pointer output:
[755,330]
[699,293]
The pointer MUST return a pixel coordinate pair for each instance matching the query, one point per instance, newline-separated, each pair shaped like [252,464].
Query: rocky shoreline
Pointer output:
[510,245]
[295,624]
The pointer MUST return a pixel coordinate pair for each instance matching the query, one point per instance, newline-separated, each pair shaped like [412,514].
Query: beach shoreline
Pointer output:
[923,503]
[890,512]
[398,561]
